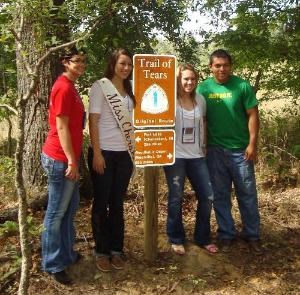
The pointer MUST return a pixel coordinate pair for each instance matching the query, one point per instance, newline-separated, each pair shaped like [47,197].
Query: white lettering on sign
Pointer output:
[148,74]
[156,146]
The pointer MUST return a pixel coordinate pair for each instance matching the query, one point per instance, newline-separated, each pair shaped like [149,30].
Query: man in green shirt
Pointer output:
[233,124]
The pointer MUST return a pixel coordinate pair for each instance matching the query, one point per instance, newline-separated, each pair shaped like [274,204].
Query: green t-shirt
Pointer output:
[227,120]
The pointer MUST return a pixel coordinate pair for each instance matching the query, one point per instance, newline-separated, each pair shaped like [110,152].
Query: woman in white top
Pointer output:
[191,163]
[109,159]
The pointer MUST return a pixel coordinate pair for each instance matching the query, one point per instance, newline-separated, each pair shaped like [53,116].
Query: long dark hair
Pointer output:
[110,70]
[182,68]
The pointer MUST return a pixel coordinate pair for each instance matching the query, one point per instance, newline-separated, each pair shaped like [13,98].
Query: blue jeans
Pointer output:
[109,190]
[227,167]
[196,171]
[58,236]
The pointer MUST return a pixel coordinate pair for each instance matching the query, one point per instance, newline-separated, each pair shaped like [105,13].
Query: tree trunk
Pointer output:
[32,120]
[36,110]
[36,126]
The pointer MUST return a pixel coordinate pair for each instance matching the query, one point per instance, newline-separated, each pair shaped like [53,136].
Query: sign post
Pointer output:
[150,213]
[154,87]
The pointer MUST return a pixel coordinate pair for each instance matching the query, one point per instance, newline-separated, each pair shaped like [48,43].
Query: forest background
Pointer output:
[262,36]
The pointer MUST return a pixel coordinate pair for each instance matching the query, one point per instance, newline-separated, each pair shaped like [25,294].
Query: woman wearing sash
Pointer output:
[190,162]
[60,160]
[111,157]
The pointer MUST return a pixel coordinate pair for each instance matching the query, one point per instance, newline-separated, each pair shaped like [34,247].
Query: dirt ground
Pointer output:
[197,272]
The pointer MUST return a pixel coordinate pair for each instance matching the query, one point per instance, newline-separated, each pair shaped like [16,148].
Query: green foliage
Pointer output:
[263,36]
[7,170]
[280,147]
[11,228]
[34,228]
[14,264]
[133,25]
[8,76]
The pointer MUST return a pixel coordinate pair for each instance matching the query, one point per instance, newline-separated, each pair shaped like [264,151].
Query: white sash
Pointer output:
[121,115]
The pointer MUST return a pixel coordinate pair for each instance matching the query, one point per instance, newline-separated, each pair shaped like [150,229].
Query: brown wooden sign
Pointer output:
[154,147]
[154,87]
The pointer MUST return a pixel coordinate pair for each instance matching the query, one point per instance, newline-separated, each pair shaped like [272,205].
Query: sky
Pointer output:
[199,21]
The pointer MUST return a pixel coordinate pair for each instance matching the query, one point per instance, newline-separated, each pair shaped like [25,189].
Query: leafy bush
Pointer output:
[11,228]
[279,146]
[7,172]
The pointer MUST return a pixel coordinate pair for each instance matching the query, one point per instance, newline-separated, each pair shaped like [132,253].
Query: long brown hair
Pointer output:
[180,69]
[110,70]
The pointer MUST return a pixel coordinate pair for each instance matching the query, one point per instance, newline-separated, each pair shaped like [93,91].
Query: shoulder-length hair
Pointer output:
[180,69]
[110,70]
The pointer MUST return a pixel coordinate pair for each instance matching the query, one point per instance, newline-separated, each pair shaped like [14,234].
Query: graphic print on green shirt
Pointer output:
[227,120]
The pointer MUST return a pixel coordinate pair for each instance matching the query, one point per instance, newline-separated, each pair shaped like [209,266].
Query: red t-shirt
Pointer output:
[65,101]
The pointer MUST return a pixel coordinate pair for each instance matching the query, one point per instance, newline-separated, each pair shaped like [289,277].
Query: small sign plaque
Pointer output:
[154,147]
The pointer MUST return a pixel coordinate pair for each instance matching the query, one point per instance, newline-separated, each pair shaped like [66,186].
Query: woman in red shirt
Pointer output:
[60,159]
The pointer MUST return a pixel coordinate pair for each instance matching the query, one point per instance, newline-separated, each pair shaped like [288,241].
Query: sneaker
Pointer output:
[226,245]
[178,249]
[117,262]
[62,277]
[103,263]
[255,247]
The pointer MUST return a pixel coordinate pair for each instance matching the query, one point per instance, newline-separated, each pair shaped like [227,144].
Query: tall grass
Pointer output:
[279,147]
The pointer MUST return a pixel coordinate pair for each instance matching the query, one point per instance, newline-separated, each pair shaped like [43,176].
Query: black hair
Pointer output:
[220,53]
[67,53]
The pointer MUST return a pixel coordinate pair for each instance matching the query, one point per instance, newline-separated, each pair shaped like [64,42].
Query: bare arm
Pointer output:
[253,126]
[98,159]
[62,126]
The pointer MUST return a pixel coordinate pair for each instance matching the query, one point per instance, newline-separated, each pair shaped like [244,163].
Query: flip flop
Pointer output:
[178,249]
[211,248]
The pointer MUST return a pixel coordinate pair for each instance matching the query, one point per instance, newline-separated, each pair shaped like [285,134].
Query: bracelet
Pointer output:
[72,165]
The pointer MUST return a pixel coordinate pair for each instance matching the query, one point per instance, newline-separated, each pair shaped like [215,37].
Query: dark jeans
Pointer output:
[107,211]
[227,167]
[197,173]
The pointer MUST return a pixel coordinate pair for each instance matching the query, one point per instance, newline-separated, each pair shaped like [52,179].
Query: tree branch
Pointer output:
[282,150]
[20,47]
[85,36]
[34,73]
[257,80]
[8,107]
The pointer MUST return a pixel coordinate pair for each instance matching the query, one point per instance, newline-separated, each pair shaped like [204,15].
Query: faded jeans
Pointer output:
[196,171]
[227,167]
[58,236]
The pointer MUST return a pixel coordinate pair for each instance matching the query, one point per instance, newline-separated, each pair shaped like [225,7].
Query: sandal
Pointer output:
[211,248]
[178,249]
